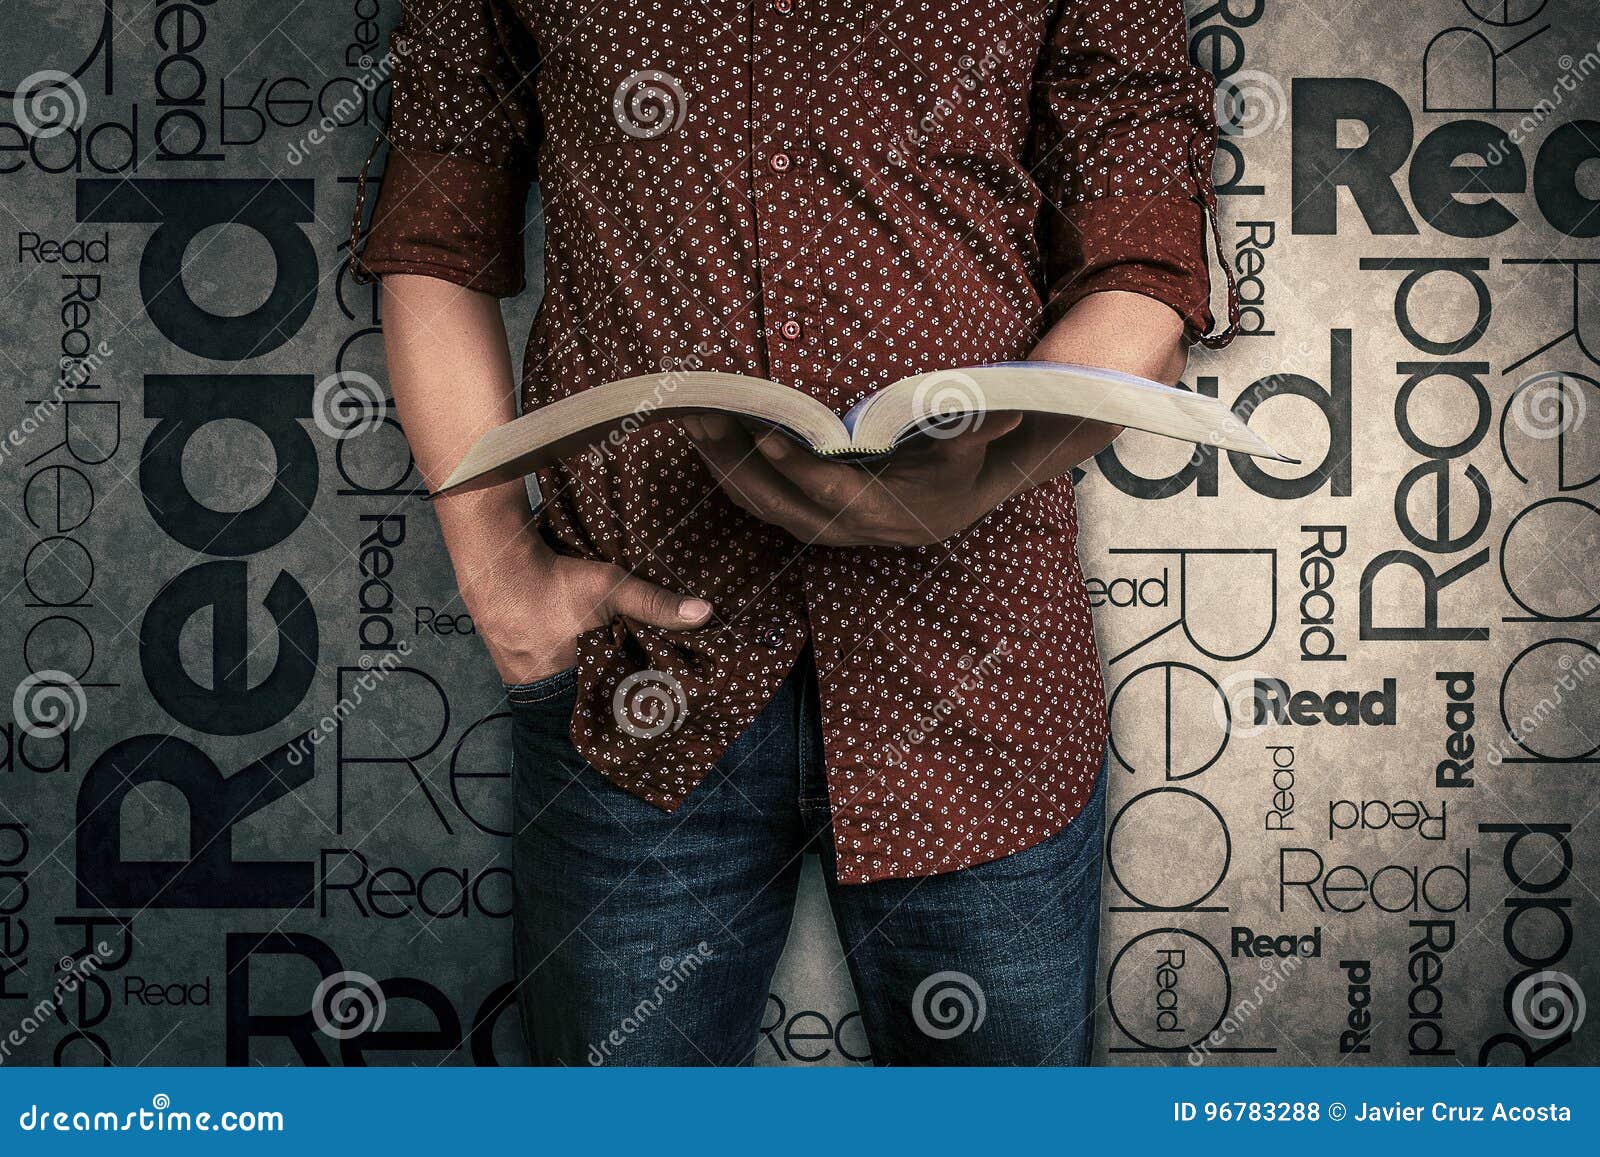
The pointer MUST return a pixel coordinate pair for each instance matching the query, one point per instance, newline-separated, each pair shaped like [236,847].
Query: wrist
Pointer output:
[497,555]
[495,583]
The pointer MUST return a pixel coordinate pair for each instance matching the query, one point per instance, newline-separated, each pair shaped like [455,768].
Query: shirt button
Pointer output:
[771,638]
[790,329]
[784,6]
[779,162]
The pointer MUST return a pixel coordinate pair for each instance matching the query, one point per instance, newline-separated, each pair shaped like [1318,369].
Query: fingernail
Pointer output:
[694,609]
[695,426]
[775,445]
[715,426]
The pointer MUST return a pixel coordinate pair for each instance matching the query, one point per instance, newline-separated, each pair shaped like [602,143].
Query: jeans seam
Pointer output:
[808,727]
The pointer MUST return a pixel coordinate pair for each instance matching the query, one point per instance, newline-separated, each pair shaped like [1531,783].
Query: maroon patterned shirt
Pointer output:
[831,195]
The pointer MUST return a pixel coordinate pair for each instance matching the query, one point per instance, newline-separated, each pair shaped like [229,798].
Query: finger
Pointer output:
[731,456]
[833,486]
[966,445]
[645,602]
[721,443]
[1043,448]
[988,426]
[751,482]
[863,508]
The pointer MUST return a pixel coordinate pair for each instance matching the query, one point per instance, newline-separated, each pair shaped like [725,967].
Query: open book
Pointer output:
[922,405]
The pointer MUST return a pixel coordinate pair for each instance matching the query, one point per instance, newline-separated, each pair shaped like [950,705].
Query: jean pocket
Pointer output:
[542,690]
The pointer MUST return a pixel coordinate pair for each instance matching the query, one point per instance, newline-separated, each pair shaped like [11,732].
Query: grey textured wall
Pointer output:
[1425,865]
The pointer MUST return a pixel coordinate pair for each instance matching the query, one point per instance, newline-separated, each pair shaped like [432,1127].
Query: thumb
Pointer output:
[644,602]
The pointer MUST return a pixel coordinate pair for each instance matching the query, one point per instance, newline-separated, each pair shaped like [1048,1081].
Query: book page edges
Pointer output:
[1068,390]
[570,425]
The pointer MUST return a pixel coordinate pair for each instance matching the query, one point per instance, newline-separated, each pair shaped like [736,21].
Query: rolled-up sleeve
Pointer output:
[463,128]
[1125,131]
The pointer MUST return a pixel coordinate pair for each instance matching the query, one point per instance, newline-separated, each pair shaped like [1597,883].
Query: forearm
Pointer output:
[1113,330]
[450,371]
[1117,330]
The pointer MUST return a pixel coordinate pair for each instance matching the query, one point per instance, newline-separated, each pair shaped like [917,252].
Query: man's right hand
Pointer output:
[450,369]
[532,623]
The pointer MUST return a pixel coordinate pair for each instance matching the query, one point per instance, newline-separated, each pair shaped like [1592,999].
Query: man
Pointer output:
[719,650]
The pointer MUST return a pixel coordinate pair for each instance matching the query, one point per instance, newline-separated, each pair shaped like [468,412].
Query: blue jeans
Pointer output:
[643,938]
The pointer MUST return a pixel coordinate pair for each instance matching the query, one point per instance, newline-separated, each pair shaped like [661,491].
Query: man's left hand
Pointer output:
[938,485]
[930,490]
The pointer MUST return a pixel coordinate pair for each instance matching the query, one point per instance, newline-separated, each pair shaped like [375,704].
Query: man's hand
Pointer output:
[939,486]
[450,369]
[531,627]
[928,492]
